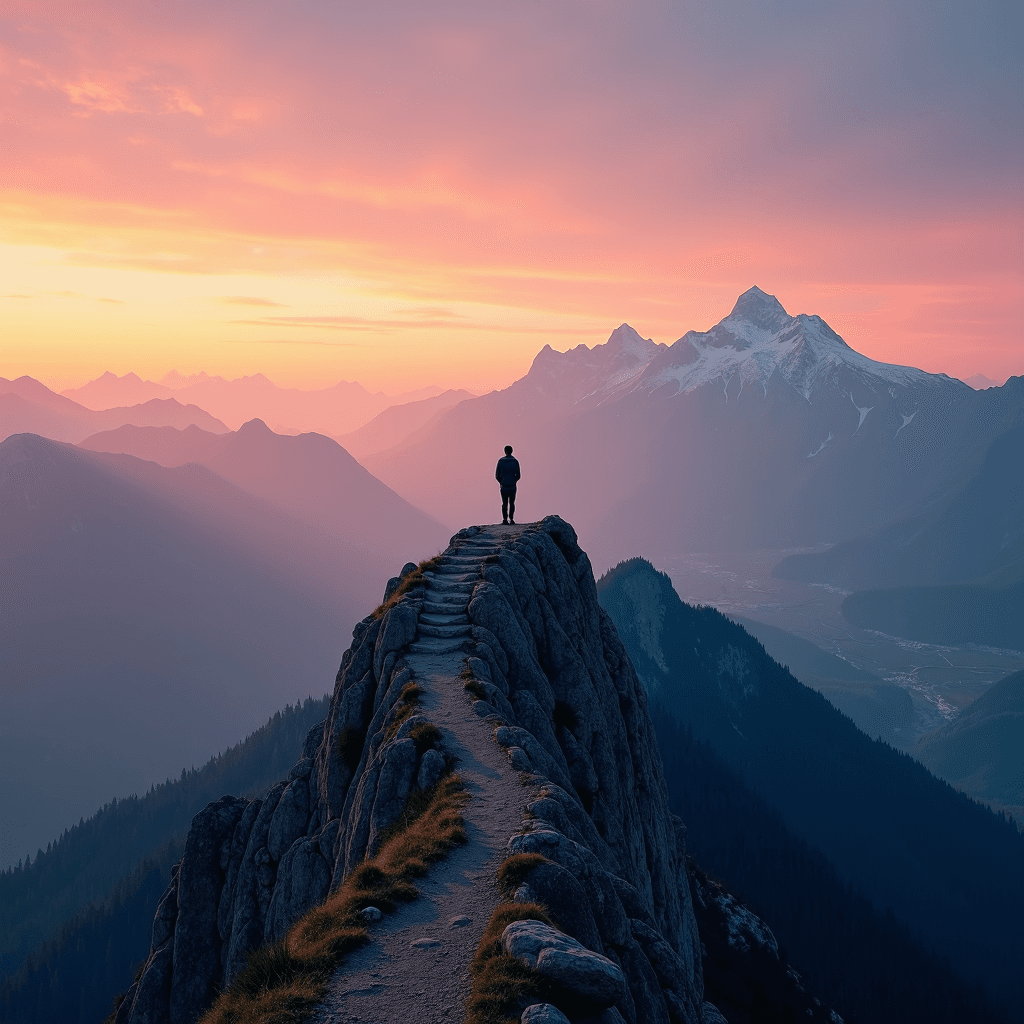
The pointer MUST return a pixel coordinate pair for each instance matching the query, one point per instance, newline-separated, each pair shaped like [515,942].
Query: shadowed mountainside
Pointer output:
[948,868]
[992,616]
[82,911]
[976,535]
[880,709]
[981,751]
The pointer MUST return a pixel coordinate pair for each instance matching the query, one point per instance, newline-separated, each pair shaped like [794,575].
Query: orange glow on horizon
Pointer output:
[447,194]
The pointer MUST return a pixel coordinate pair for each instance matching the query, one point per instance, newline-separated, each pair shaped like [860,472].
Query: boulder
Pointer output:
[588,976]
[543,1013]
[432,767]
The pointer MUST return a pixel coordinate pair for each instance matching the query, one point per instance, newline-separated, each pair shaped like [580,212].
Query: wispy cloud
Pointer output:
[248,300]
[456,323]
[291,341]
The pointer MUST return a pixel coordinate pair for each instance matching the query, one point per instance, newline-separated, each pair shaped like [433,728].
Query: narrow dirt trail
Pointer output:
[420,955]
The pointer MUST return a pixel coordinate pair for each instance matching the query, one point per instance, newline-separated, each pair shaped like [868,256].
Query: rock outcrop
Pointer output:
[518,608]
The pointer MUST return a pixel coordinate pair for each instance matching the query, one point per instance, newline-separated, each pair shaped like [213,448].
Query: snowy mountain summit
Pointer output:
[758,339]
[585,373]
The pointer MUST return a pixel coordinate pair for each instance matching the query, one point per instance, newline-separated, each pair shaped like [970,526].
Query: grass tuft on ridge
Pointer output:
[414,579]
[283,982]
[500,984]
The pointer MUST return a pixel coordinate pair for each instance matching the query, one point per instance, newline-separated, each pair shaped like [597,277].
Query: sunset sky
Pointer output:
[417,193]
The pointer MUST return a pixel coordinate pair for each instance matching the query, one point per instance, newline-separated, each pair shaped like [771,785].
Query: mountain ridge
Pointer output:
[945,865]
[309,476]
[743,436]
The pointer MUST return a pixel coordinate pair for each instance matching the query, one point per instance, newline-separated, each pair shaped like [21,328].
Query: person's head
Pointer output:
[508,449]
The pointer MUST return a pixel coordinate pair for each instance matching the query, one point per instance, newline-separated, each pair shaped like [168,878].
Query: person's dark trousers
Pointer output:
[508,503]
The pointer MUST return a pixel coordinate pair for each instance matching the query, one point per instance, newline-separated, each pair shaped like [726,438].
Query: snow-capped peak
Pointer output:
[757,307]
[759,338]
[584,372]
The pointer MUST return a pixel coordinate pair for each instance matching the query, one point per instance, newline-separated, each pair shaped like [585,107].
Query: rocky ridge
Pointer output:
[514,610]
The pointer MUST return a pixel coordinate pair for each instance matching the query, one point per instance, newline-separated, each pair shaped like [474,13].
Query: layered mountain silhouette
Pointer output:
[334,410]
[26,406]
[397,422]
[975,534]
[981,751]
[309,476]
[767,430]
[952,614]
[878,708]
[148,617]
[948,869]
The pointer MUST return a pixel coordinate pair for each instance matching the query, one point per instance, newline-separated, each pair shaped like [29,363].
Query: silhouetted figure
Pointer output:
[507,475]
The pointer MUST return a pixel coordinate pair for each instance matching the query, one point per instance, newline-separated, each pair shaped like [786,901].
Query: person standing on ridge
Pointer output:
[507,475]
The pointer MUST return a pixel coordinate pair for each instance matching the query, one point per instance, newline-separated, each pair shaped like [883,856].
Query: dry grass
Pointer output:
[281,983]
[471,684]
[501,985]
[513,871]
[410,699]
[414,579]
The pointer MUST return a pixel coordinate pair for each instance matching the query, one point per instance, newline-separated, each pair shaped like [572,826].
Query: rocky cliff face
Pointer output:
[516,609]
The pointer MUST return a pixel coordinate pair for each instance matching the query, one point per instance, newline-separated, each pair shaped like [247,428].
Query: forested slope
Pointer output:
[76,919]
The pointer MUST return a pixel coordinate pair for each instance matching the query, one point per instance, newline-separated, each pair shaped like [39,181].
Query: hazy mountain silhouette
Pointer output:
[109,390]
[948,868]
[310,476]
[980,382]
[953,614]
[768,430]
[148,617]
[26,406]
[397,422]
[981,751]
[334,410]
[877,708]
[977,534]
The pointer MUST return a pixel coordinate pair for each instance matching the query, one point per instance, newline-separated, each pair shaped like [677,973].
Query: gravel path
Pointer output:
[415,968]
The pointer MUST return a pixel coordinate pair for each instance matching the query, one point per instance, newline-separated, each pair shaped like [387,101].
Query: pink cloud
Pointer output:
[590,159]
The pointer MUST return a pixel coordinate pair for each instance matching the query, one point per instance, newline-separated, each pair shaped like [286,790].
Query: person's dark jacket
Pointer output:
[507,472]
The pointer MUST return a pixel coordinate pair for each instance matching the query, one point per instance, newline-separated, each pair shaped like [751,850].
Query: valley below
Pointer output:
[941,680]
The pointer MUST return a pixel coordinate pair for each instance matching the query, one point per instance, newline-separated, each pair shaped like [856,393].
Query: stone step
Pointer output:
[448,581]
[456,606]
[444,618]
[435,646]
[443,632]
[455,592]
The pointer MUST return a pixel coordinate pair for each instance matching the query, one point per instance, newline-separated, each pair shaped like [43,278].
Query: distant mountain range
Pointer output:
[309,476]
[980,382]
[148,617]
[334,410]
[766,431]
[397,422]
[28,407]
